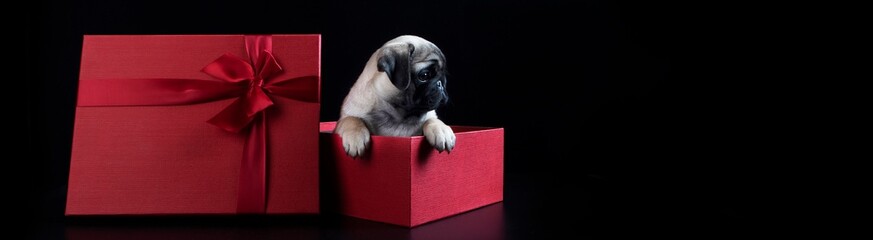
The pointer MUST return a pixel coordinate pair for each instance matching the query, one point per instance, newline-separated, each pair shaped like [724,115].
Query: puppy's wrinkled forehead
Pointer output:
[424,54]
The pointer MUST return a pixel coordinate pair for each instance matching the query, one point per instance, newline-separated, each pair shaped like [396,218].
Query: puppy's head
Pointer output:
[416,67]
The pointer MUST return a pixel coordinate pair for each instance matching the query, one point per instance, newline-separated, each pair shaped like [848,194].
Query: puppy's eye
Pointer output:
[425,75]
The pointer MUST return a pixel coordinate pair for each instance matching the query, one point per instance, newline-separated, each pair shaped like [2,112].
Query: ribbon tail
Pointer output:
[241,112]
[252,197]
[233,118]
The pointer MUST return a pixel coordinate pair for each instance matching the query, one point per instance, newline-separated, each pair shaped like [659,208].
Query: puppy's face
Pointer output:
[417,68]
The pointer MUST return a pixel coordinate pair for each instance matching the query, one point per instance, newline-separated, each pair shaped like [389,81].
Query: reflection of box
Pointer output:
[405,181]
[485,223]
[142,144]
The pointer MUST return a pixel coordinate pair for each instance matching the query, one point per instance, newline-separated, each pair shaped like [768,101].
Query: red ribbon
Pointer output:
[249,81]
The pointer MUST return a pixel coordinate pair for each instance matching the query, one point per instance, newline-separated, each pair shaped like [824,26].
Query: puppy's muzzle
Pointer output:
[432,96]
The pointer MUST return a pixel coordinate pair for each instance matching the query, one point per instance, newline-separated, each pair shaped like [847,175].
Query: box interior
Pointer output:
[327,127]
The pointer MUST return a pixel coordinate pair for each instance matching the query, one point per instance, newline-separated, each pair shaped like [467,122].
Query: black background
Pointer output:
[621,117]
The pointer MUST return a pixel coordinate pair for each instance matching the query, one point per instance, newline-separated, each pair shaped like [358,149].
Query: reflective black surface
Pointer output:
[483,223]
[589,206]
[622,118]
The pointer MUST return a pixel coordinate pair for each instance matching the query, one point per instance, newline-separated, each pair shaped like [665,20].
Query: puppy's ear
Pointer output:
[395,61]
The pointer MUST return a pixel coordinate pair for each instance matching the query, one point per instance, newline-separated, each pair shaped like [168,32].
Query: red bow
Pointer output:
[235,70]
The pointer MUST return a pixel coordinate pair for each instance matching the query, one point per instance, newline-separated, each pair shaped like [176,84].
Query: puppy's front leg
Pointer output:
[355,135]
[439,135]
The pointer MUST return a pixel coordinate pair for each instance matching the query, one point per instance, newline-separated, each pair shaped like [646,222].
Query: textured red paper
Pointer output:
[405,181]
[167,159]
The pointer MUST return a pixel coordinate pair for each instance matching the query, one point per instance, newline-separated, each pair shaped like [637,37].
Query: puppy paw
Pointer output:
[355,135]
[355,142]
[439,135]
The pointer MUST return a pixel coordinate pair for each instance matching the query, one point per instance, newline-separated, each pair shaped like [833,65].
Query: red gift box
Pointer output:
[196,125]
[405,181]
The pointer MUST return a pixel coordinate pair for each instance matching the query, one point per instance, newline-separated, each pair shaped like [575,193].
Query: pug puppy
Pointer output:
[396,95]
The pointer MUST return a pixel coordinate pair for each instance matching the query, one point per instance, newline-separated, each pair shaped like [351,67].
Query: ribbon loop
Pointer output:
[270,66]
[229,68]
